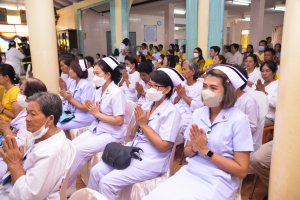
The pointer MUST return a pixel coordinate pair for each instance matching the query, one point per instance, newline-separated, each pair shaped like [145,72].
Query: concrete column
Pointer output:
[191,27]
[256,22]
[203,18]
[285,174]
[225,27]
[125,18]
[216,23]
[169,25]
[118,22]
[43,44]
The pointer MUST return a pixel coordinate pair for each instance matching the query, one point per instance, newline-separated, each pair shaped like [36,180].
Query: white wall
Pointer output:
[180,34]
[236,31]
[95,27]
[269,21]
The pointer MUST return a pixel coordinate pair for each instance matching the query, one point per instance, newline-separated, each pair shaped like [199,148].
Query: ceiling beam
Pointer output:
[58,5]
[63,2]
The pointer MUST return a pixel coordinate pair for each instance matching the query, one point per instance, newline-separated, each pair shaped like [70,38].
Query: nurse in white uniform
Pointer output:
[248,105]
[14,57]
[141,88]
[253,72]
[187,97]
[109,112]
[44,166]
[65,84]
[218,147]
[157,125]
[130,77]
[27,89]
[82,90]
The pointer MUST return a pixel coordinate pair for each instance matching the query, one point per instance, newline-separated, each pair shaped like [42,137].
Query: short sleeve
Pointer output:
[118,103]
[14,94]
[87,92]
[197,100]
[170,126]
[242,137]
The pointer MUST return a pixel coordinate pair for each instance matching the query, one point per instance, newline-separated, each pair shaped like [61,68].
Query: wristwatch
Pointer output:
[209,154]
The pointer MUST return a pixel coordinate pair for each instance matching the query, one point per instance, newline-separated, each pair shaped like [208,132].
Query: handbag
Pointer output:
[118,156]
[65,118]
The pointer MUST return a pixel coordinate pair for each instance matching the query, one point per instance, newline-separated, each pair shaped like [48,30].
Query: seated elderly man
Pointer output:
[37,173]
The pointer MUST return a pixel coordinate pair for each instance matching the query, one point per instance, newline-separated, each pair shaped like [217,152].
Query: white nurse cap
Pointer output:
[83,64]
[175,76]
[234,75]
[111,61]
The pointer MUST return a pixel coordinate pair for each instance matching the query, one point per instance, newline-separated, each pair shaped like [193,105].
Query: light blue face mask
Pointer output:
[261,48]
[181,51]
[154,51]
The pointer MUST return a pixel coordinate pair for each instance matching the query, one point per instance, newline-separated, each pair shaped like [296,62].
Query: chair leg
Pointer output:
[181,158]
[253,186]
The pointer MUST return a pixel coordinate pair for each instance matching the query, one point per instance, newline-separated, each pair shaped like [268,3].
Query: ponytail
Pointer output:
[6,69]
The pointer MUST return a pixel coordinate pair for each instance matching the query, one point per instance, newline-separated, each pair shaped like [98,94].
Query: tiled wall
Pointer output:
[95,26]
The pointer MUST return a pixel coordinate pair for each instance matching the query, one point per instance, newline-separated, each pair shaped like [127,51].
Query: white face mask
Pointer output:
[154,95]
[21,99]
[128,69]
[196,55]
[99,81]
[212,99]
[41,132]
[159,60]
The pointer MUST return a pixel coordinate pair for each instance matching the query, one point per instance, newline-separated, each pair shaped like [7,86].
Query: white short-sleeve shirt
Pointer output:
[130,92]
[121,57]
[112,103]
[166,122]
[237,58]
[253,77]
[142,99]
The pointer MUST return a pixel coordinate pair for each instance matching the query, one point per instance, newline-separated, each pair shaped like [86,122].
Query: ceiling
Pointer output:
[156,7]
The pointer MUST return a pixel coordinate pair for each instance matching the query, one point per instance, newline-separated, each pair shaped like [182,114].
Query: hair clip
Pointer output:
[228,81]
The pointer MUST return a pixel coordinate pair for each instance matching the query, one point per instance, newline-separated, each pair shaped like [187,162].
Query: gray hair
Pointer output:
[50,104]
[193,65]
[210,66]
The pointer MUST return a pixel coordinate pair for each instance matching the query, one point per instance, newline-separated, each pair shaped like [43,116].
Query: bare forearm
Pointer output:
[177,98]
[9,114]
[187,99]
[127,82]
[188,151]
[155,139]
[16,172]
[8,132]
[110,119]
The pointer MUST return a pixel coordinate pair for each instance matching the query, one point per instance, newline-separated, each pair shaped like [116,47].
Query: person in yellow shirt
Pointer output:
[198,58]
[160,62]
[9,108]
[214,50]
[260,54]
[178,66]
[161,51]
[182,55]
[269,54]
[150,52]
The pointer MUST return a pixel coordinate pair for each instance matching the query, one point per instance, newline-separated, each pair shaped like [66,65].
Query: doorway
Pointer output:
[132,45]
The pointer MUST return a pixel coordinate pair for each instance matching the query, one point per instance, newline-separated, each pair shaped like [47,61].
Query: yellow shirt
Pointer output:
[150,52]
[8,98]
[162,52]
[261,56]
[208,62]
[178,68]
[201,63]
[182,57]
[2,90]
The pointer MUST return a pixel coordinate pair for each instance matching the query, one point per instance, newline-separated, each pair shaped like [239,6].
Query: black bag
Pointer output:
[118,156]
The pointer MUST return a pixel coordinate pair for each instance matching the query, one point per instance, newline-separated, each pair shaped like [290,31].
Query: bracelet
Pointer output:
[3,110]
[193,150]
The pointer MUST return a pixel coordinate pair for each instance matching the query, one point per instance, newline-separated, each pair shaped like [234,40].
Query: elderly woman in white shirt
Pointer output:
[187,97]
[268,85]
[130,77]
[39,172]
[14,57]
[28,88]
[253,73]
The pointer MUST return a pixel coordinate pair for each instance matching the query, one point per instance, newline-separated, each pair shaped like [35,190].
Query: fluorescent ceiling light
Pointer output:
[176,28]
[241,2]
[246,19]
[179,12]
[280,8]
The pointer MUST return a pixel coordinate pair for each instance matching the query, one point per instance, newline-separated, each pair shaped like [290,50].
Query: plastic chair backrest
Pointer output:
[28,69]
[129,118]
[171,167]
[63,189]
[263,104]
[87,194]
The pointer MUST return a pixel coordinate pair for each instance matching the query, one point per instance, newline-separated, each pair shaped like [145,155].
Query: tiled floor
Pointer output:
[259,193]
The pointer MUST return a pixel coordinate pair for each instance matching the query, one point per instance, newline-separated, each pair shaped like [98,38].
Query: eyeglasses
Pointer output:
[154,86]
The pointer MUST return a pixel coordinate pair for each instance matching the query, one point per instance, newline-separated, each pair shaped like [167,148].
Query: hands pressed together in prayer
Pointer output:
[141,117]
[92,108]
[198,139]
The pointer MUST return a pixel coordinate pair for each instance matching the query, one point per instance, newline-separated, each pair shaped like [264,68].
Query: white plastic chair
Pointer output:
[139,190]
[87,194]
[63,189]
[129,116]
[27,72]
[263,105]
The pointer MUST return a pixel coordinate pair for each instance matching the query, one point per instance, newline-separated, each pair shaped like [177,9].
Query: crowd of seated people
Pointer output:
[202,107]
